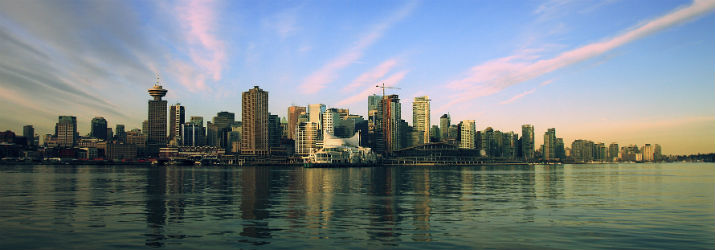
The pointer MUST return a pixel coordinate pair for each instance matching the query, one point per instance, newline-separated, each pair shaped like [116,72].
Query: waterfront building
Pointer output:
[29,132]
[391,117]
[156,125]
[176,119]
[98,128]
[307,138]
[66,131]
[434,135]
[468,135]
[613,152]
[274,131]
[254,138]
[293,114]
[331,120]
[582,150]
[527,142]
[648,152]
[421,116]
[121,134]
[315,114]
[375,138]
[220,129]
[550,144]
[235,136]
[444,121]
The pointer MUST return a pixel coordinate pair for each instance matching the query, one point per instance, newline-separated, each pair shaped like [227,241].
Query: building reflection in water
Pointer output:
[155,206]
[255,203]
[422,214]
[384,210]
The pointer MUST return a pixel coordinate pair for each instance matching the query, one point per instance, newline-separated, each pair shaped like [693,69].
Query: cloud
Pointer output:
[206,50]
[284,23]
[518,96]
[372,76]
[329,72]
[493,76]
[390,81]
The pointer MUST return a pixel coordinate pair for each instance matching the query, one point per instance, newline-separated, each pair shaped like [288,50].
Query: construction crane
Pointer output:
[383,89]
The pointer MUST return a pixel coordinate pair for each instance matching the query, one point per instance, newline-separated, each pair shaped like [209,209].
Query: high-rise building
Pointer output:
[192,134]
[220,129]
[254,139]
[391,117]
[66,131]
[613,152]
[421,116]
[315,114]
[293,114]
[274,130]
[121,134]
[444,127]
[307,137]
[374,136]
[176,118]
[527,142]
[99,128]
[29,133]
[648,152]
[156,134]
[374,102]
[550,144]
[468,135]
[331,120]
[434,134]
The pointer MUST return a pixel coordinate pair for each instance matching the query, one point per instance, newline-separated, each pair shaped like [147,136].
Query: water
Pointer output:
[617,206]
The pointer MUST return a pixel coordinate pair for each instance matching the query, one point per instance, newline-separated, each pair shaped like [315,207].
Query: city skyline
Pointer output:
[502,89]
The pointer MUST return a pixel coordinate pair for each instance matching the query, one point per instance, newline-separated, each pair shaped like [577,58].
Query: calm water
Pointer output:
[571,206]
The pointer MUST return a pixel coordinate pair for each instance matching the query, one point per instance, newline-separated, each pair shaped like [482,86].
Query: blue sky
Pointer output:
[631,72]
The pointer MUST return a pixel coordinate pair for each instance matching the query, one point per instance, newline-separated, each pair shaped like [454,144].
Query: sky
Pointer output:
[624,71]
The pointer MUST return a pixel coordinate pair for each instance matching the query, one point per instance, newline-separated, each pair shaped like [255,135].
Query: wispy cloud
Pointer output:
[389,81]
[329,72]
[493,76]
[206,50]
[371,76]
[283,23]
[518,96]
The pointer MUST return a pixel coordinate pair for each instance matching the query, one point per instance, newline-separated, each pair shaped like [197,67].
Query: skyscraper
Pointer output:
[156,125]
[307,138]
[99,128]
[331,120]
[315,114]
[220,129]
[391,117]
[176,118]
[293,113]
[66,131]
[254,139]
[121,134]
[29,133]
[613,152]
[274,130]
[550,144]
[421,116]
[527,142]
[444,127]
[468,135]
[374,136]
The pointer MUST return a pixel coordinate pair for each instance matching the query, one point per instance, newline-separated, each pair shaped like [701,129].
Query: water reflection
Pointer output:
[400,207]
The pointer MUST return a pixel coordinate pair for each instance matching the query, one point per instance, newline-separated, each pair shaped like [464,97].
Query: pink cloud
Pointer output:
[518,96]
[329,72]
[390,81]
[493,76]
[206,50]
[371,77]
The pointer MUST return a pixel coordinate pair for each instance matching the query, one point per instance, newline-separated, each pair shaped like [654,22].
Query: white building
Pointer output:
[468,135]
